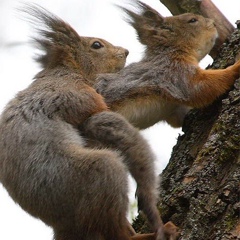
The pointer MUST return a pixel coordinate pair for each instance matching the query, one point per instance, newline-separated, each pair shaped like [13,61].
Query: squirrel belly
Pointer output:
[146,111]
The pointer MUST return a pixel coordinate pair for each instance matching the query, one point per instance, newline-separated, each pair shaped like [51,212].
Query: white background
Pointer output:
[99,18]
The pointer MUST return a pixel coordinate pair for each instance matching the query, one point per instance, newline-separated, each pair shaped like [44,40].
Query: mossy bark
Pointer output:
[200,187]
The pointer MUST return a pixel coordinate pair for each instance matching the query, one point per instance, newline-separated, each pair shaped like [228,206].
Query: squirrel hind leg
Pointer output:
[66,235]
[102,199]
[148,236]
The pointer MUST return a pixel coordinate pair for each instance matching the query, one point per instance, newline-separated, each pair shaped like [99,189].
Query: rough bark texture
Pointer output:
[200,189]
[207,9]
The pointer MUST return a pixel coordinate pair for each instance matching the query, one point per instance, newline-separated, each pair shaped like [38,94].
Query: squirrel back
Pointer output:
[168,81]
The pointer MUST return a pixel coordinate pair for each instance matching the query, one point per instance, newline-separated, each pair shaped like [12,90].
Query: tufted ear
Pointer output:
[150,15]
[145,22]
[56,37]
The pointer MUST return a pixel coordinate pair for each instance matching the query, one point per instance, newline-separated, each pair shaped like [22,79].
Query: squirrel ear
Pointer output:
[151,16]
[145,22]
[146,15]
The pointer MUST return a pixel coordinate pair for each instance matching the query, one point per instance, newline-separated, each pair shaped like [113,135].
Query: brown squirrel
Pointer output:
[168,80]
[75,184]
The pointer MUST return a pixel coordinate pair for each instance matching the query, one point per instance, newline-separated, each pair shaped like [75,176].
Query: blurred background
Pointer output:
[17,68]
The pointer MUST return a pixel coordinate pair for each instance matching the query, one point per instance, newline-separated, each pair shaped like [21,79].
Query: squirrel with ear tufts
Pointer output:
[168,81]
[77,185]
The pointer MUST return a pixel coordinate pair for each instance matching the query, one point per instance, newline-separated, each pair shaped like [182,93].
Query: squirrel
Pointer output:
[64,157]
[168,81]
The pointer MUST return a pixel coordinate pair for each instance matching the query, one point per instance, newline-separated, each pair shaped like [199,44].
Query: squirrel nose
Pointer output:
[126,52]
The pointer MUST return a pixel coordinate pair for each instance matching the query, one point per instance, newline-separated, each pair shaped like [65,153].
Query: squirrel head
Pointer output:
[187,32]
[63,47]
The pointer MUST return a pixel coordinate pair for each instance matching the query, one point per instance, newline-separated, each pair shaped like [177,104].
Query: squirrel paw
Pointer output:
[169,232]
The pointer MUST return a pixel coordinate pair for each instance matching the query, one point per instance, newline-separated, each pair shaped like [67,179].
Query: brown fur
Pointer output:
[64,158]
[168,81]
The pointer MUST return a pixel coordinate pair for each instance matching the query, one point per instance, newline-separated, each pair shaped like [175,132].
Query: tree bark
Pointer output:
[200,187]
[207,9]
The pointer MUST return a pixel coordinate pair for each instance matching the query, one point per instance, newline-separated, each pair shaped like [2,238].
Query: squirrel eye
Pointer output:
[96,45]
[192,20]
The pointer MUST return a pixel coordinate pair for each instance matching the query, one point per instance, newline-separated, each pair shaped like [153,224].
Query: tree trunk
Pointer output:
[200,187]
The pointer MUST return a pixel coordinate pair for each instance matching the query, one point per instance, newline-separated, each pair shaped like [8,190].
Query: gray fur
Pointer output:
[149,77]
